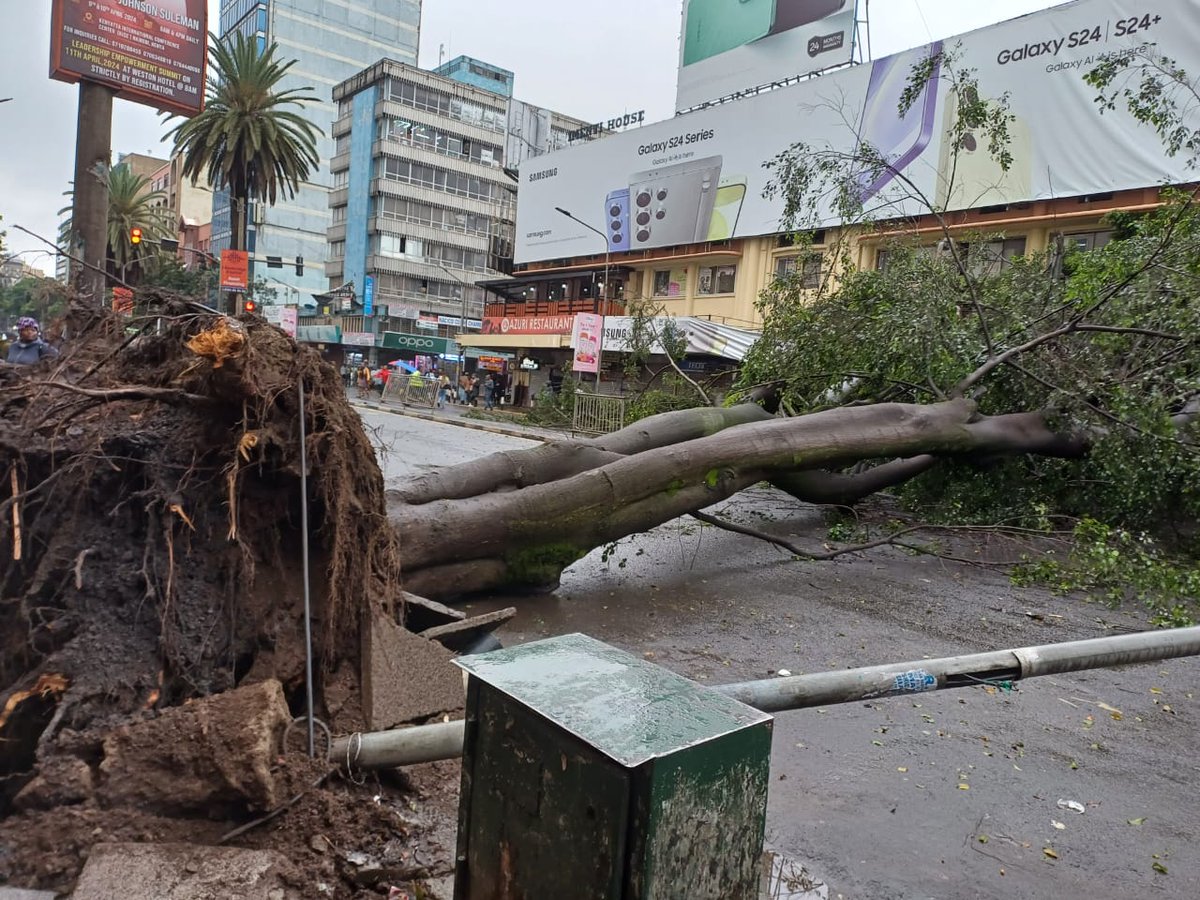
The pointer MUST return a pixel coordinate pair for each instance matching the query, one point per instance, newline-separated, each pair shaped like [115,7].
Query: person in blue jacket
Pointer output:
[29,347]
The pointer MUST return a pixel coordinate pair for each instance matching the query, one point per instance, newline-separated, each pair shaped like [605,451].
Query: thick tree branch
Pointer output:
[843,489]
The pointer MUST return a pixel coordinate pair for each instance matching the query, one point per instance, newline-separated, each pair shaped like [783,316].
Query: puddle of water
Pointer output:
[788,879]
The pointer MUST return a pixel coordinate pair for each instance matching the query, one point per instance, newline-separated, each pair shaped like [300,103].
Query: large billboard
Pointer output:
[150,52]
[701,177]
[729,46]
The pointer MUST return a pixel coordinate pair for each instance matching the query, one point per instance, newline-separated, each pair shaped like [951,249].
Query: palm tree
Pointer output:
[245,140]
[131,204]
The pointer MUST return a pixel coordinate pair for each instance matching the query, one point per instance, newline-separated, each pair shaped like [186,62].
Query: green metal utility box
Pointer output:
[589,773]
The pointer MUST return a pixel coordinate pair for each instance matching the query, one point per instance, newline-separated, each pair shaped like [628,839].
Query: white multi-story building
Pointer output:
[424,198]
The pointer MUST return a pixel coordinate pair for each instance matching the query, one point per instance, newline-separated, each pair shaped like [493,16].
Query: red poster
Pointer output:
[150,51]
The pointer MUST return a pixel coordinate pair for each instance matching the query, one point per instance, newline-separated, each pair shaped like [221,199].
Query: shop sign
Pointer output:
[358,338]
[528,324]
[420,343]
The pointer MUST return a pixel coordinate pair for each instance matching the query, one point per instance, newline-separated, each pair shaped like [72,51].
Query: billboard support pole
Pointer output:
[89,206]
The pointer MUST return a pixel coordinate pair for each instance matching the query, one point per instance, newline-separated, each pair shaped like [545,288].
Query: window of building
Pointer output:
[810,269]
[337,249]
[339,214]
[1087,240]
[670,282]
[716,279]
[993,257]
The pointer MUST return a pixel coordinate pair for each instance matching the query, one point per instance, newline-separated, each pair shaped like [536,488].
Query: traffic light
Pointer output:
[135,236]
[249,307]
[299,265]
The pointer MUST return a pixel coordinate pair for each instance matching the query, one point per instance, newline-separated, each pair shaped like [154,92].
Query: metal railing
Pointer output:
[402,388]
[598,413]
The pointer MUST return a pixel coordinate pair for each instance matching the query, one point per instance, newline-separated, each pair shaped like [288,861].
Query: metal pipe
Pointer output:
[308,652]
[402,747]
[424,743]
[825,688]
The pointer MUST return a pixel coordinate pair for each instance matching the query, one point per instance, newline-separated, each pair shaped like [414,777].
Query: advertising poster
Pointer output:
[733,45]
[587,340]
[701,177]
[369,295]
[150,51]
[288,319]
[235,270]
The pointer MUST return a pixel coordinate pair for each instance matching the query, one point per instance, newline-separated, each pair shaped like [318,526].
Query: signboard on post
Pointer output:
[729,46]
[701,177]
[369,295]
[235,270]
[587,339]
[150,51]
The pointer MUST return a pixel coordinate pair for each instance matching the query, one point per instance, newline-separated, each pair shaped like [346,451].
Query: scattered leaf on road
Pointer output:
[1159,868]
[1140,820]
[901,768]
[964,787]
[1059,825]
[983,839]
[1050,853]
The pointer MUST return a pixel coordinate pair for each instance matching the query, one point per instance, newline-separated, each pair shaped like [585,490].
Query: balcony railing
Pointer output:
[554,308]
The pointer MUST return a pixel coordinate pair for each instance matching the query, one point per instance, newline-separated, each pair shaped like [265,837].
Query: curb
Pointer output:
[458,422]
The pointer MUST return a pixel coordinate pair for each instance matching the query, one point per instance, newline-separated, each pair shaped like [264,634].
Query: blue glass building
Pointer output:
[331,41]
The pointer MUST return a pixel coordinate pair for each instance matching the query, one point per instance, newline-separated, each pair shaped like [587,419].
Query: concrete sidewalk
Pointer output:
[455,414]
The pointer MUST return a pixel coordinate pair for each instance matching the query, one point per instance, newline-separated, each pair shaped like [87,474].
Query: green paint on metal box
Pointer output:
[590,773]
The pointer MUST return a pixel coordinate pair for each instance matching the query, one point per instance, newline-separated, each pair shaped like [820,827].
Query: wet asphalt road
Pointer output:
[946,795]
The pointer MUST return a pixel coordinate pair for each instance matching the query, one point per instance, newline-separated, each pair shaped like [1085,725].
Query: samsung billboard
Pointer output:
[701,177]
[729,46]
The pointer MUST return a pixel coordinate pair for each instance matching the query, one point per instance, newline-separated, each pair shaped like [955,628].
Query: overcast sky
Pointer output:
[591,60]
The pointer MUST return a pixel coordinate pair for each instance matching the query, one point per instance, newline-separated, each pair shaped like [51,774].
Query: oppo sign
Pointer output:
[421,343]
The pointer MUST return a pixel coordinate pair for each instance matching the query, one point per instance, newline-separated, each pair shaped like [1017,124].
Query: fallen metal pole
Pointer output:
[973,670]
[425,743]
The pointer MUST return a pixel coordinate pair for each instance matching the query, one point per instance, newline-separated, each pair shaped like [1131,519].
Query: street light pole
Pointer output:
[607,254]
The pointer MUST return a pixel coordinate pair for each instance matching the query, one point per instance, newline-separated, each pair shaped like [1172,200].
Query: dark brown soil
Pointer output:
[155,473]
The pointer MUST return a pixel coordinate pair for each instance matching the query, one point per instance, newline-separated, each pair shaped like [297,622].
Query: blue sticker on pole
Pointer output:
[916,681]
[369,295]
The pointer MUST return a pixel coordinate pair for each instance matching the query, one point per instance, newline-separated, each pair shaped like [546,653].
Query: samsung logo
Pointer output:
[545,173]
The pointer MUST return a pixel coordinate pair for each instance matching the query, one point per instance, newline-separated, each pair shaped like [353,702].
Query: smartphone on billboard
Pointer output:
[791,14]
[674,204]
[717,26]
[616,218]
[726,208]
[900,139]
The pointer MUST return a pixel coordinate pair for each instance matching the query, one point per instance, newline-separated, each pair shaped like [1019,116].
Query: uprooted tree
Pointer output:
[150,501]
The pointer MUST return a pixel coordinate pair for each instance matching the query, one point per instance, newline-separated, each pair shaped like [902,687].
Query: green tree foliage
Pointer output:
[248,140]
[1104,344]
[43,298]
[131,204]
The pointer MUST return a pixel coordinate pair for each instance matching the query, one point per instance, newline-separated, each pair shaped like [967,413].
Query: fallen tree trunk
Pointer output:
[523,535]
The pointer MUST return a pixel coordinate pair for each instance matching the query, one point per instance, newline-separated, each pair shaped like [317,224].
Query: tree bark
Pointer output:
[555,504]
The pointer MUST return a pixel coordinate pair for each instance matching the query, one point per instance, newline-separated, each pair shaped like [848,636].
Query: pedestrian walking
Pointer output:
[489,393]
[443,391]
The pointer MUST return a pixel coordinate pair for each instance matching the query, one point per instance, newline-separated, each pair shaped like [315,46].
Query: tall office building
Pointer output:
[424,199]
[330,41]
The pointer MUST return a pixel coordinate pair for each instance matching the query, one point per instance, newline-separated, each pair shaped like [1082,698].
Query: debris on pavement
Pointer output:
[1073,805]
